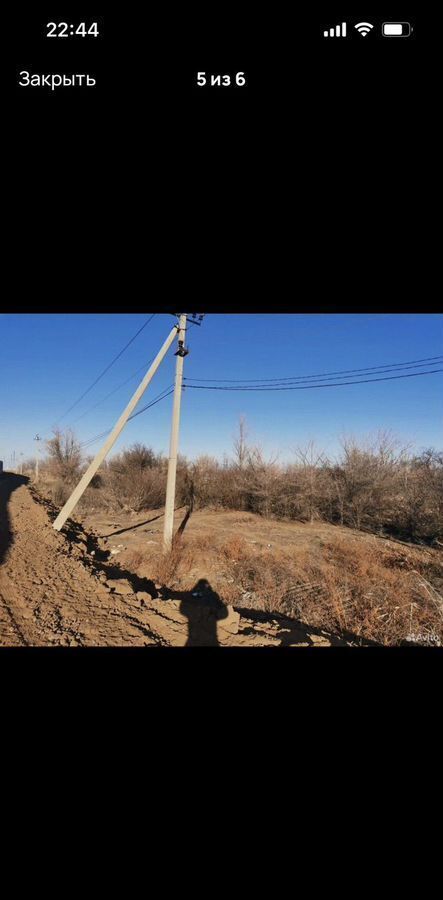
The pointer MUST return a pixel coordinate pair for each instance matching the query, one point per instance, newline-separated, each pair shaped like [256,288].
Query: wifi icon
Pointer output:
[364,28]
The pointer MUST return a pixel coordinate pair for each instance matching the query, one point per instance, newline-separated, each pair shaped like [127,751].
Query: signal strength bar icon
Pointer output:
[337,31]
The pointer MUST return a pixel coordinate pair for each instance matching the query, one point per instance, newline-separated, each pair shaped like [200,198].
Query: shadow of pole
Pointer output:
[138,524]
[189,511]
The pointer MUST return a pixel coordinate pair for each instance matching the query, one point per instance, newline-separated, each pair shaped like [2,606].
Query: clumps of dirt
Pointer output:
[120,576]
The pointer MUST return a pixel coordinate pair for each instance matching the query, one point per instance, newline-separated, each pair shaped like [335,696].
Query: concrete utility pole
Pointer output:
[38,439]
[173,450]
[90,472]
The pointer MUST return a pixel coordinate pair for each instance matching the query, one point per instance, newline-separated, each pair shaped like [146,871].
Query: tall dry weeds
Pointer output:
[168,567]
[342,586]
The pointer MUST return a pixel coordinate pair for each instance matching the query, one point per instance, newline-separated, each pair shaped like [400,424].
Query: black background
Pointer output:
[222,192]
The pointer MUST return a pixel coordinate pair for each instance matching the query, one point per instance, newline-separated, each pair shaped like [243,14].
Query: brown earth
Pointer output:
[69,589]
[361,587]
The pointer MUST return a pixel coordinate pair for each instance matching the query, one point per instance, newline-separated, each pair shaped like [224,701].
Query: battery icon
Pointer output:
[396,29]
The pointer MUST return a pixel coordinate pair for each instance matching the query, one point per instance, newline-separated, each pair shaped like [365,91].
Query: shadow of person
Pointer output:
[203,609]
[9,482]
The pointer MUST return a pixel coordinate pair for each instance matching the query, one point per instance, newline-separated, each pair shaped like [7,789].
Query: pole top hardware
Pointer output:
[182,351]
[195,318]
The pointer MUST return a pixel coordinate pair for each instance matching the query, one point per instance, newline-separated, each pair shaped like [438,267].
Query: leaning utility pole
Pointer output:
[90,472]
[173,450]
[38,439]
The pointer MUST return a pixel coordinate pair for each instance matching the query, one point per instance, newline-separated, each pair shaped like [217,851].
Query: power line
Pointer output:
[276,382]
[258,384]
[109,366]
[144,408]
[105,433]
[307,387]
[161,396]
[366,369]
[114,391]
[93,440]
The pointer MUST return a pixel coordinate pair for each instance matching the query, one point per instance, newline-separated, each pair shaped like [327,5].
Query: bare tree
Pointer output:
[240,444]
[65,455]
[262,481]
[419,510]
[311,463]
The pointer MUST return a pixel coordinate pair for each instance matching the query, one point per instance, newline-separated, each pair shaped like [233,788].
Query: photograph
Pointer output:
[268,480]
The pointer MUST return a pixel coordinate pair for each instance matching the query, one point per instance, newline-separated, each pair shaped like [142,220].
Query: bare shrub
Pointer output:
[261,482]
[311,463]
[419,512]
[65,458]
[93,499]
[136,479]
[27,467]
[137,458]
[59,492]
[375,485]
[136,491]
[204,471]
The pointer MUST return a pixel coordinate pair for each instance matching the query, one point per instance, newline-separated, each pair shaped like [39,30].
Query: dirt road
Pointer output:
[61,589]
[46,595]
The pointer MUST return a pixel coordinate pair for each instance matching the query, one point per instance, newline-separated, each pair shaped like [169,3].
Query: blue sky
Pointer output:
[47,361]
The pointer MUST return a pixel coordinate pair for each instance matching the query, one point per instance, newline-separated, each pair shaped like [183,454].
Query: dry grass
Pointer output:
[136,559]
[343,586]
[246,519]
[202,542]
[384,592]
[174,569]
[168,567]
